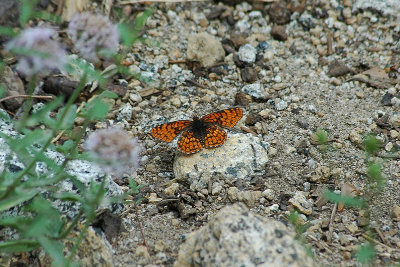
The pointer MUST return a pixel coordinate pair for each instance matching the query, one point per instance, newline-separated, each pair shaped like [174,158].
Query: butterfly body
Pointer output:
[200,132]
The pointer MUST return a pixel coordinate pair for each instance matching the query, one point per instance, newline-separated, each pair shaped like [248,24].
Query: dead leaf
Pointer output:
[347,190]
[73,6]
[375,77]
[107,5]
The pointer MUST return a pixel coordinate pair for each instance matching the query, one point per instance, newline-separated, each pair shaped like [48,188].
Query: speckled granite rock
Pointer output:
[241,157]
[83,170]
[93,251]
[237,237]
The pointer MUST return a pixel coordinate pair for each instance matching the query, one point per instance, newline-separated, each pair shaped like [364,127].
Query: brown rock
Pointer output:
[241,99]
[248,74]
[252,119]
[279,14]
[338,68]
[13,86]
[215,12]
[239,39]
[278,32]
[396,213]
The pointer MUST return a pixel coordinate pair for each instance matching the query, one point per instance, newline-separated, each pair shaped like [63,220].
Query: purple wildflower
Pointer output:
[38,52]
[114,150]
[92,33]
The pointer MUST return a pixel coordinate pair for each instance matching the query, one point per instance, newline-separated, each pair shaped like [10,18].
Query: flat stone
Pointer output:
[240,157]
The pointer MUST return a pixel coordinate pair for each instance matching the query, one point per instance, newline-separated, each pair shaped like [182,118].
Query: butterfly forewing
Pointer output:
[227,117]
[168,131]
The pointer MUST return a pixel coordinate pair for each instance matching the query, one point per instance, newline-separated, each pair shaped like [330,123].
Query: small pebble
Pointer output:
[247,53]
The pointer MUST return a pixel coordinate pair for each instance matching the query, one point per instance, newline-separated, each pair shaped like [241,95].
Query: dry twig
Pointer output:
[27,96]
[329,237]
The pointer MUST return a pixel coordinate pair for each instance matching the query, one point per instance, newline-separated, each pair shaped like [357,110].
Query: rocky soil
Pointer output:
[295,68]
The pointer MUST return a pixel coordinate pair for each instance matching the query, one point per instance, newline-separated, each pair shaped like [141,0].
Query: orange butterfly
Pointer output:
[200,132]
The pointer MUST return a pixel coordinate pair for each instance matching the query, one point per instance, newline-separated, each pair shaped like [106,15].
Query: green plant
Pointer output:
[299,225]
[376,182]
[31,193]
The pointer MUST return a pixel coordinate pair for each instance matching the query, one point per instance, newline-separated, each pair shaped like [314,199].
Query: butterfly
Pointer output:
[204,132]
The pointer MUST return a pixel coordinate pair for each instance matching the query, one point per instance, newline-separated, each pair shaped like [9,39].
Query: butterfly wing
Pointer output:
[168,131]
[227,117]
[188,143]
[214,137]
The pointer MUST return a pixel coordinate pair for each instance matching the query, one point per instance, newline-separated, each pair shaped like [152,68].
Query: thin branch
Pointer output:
[178,61]
[330,231]
[376,241]
[27,96]
[141,229]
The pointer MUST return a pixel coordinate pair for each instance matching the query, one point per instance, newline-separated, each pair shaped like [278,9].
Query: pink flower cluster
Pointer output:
[114,150]
[92,34]
[37,52]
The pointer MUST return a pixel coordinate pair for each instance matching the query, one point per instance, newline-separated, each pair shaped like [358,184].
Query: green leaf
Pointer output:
[322,137]
[24,146]
[68,196]
[350,201]
[48,16]
[65,147]
[130,33]
[297,223]
[69,117]
[108,94]
[47,221]
[20,223]
[80,68]
[371,144]
[27,10]
[78,184]
[7,31]
[16,246]
[374,173]
[55,250]
[3,115]
[366,253]
[17,197]
[97,109]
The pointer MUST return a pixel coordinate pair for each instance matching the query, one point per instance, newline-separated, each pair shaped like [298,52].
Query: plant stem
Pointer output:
[28,103]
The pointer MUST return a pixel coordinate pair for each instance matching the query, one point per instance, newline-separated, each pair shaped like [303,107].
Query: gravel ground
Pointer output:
[326,65]
[294,68]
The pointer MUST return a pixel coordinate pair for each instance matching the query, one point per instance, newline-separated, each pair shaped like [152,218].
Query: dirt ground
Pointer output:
[317,65]
[319,94]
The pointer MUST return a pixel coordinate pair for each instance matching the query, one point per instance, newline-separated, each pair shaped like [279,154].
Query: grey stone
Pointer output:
[125,112]
[255,90]
[238,237]
[386,7]
[13,86]
[240,157]
[281,105]
[242,25]
[247,53]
